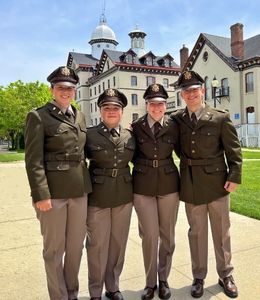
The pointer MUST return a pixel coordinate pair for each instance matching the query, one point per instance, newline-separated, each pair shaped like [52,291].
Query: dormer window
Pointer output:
[149,61]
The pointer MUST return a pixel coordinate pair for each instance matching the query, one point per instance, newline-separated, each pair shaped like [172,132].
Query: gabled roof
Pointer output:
[81,59]
[222,47]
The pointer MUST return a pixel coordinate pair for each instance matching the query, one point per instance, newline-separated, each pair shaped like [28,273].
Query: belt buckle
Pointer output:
[114,172]
[155,163]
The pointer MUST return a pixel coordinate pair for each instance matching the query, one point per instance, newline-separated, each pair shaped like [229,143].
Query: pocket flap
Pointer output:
[170,169]
[98,179]
[57,166]
[140,169]
[127,178]
[215,168]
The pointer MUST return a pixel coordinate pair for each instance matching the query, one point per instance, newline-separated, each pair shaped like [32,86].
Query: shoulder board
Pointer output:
[221,111]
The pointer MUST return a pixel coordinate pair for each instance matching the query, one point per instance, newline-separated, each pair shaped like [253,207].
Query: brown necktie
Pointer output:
[114,134]
[69,115]
[193,119]
[156,128]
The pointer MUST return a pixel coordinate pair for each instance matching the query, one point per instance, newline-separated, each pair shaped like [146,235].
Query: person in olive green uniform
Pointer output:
[210,168]
[109,148]
[55,136]
[156,187]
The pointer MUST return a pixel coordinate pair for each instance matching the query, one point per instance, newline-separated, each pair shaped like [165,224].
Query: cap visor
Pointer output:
[156,99]
[64,83]
[189,87]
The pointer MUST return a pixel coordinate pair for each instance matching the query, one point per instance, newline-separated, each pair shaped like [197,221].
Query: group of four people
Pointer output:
[73,200]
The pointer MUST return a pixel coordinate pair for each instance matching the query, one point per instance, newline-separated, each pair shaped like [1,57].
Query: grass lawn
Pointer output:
[11,157]
[246,199]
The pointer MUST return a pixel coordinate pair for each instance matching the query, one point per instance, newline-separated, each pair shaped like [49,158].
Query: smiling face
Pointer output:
[156,109]
[63,94]
[111,115]
[193,98]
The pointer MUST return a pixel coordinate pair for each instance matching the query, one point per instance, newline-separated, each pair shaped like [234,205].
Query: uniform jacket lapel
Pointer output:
[58,114]
[145,126]
[186,118]
[164,127]
[206,116]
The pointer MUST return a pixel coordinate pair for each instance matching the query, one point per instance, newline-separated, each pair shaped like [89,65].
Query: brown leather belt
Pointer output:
[201,162]
[155,163]
[110,172]
[64,157]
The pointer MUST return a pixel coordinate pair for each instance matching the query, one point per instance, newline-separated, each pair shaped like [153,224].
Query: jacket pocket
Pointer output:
[127,178]
[140,169]
[98,179]
[83,128]
[57,166]
[215,168]
[168,139]
[170,169]
[95,147]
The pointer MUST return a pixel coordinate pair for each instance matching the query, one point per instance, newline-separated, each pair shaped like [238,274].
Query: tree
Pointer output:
[16,100]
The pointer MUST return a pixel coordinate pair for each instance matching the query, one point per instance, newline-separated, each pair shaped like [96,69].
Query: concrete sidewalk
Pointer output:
[22,273]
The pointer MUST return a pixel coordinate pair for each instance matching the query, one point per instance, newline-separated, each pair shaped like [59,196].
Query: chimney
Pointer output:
[184,54]
[237,41]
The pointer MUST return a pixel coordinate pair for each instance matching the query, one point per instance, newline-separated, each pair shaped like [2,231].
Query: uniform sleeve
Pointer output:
[232,150]
[34,157]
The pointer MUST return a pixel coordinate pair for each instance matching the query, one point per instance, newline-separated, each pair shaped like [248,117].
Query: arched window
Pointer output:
[249,82]
[207,88]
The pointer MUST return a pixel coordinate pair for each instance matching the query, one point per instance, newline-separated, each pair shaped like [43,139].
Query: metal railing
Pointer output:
[249,134]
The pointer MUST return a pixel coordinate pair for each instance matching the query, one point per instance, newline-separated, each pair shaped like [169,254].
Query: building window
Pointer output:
[129,59]
[224,87]
[90,92]
[79,94]
[114,81]
[135,116]
[95,106]
[149,61]
[108,83]
[108,64]
[95,121]
[205,56]
[91,107]
[134,99]
[133,81]
[249,82]
[99,89]
[103,86]
[179,99]
[95,90]
[165,83]
[150,80]
[207,88]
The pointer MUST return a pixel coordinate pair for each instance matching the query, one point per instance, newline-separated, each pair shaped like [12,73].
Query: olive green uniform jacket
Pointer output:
[210,155]
[155,173]
[54,154]
[109,169]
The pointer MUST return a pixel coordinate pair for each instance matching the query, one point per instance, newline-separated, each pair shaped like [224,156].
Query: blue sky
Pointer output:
[37,35]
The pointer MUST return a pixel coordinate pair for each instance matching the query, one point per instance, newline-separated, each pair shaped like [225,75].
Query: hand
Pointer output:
[230,186]
[44,205]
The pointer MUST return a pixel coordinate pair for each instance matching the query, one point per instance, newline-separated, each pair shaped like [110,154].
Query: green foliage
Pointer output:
[16,100]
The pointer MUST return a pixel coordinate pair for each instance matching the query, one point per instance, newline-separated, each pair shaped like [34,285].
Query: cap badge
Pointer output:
[155,88]
[187,75]
[65,71]
[110,92]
